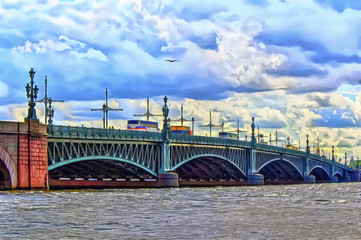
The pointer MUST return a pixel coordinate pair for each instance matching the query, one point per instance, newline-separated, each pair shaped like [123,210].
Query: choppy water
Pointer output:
[318,211]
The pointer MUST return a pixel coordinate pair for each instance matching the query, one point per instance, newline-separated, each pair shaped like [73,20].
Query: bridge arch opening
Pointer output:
[280,171]
[97,168]
[7,170]
[5,178]
[208,168]
[320,174]
[338,175]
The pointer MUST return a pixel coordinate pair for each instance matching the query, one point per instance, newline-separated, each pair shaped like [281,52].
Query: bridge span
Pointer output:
[90,156]
[67,156]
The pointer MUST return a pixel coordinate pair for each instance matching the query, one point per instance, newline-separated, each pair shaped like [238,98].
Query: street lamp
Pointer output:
[32,94]
[165,111]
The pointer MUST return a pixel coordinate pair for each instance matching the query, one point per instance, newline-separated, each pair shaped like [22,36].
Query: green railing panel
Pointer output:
[95,132]
[117,134]
[89,132]
[74,131]
[102,132]
[82,131]
[122,134]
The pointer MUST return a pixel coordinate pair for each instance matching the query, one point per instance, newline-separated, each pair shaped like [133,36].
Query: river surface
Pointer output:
[307,211]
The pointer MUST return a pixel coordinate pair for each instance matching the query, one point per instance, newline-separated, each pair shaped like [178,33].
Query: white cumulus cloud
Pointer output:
[3,89]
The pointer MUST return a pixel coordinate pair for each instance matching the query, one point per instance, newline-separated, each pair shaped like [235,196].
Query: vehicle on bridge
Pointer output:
[181,130]
[228,135]
[290,146]
[141,125]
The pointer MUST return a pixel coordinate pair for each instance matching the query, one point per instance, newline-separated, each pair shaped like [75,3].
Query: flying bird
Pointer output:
[171,60]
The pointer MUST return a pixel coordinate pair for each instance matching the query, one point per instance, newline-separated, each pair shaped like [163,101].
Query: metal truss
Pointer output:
[339,171]
[263,157]
[299,162]
[144,154]
[323,165]
[144,150]
[180,153]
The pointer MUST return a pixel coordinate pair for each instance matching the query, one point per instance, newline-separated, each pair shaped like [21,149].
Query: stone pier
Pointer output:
[23,155]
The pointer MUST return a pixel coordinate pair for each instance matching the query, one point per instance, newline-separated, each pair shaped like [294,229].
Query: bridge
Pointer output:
[35,155]
[91,156]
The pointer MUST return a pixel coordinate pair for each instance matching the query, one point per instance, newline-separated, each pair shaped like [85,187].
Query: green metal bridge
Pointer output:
[122,155]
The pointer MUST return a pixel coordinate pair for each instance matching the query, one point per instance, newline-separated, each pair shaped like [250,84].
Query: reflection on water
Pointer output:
[317,211]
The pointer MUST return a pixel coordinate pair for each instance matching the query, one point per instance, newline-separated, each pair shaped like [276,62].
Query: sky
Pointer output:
[293,65]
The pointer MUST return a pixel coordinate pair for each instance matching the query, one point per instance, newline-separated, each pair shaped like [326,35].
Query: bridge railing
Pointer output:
[264,147]
[192,139]
[329,161]
[60,131]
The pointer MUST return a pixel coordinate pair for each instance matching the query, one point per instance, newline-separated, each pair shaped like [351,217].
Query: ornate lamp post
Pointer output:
[253,136]
[32,94]
[164,166]
[166,119]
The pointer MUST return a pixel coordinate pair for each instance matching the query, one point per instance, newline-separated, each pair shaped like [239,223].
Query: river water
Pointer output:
[307,211]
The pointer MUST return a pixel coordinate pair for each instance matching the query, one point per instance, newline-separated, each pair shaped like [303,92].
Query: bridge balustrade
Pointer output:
[192,139]
[317,157]
[59,131]
[269,148]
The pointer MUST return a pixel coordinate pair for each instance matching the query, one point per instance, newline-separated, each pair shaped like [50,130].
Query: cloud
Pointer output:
[280,61]
[41,47]
[341,6]
[343,144]
[243,54]
[3,89]
[91,53]
[77,48]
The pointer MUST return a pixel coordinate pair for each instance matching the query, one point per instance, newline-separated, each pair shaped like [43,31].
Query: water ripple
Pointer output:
[318,211]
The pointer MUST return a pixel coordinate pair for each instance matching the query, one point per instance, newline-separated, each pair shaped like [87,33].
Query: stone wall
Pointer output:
[16,142]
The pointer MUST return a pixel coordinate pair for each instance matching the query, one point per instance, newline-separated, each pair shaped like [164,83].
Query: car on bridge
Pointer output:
[181,130]
[228,135]
[141,125]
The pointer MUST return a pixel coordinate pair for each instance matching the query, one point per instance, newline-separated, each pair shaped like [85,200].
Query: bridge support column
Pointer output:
[356,176]
[32,157]
[309,179]
[253,178]
[164,166]
[346,177]
[168,179]
[333,179]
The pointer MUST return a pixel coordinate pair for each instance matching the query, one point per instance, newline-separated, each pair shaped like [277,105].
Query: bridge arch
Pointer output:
[7,170]
[279,170]
[209,166]
[94,165]
[320,173]
[338,175]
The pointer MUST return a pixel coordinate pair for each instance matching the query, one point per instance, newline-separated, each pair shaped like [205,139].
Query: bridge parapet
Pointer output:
[190,139]
[59,131]
[23,158]
[269,148]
